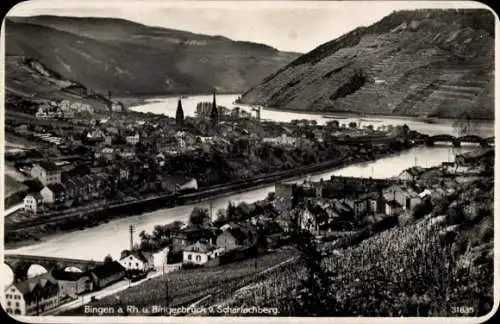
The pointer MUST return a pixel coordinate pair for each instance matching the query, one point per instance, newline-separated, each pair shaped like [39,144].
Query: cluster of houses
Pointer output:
[47,291]
[199,245]
[469,163]
[387,200]
[63,109]
[396,196]
[53,192]
[206,245]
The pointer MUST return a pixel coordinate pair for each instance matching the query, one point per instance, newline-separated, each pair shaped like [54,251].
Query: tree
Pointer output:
[333,124]
[199,216]
[108,258]
[310,135]
[231,211]
[221,216]
[353,124]
[314,294]
[370,127]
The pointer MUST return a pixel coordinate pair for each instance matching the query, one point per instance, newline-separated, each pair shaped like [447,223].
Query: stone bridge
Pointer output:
[457,141]
[21,263]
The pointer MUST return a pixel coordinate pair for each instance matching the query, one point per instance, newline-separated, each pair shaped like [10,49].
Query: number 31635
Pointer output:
[465,310]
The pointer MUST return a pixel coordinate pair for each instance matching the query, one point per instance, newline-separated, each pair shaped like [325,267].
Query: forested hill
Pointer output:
[128,58]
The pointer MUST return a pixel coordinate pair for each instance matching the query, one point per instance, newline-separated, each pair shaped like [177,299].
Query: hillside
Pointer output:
[133,59]
[423,62]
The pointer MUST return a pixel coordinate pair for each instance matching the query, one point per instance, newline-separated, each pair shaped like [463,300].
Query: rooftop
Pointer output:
[393,204]
[56,187]
[140,255]
[200,247]
[107,269]
[48,165]
[68,275]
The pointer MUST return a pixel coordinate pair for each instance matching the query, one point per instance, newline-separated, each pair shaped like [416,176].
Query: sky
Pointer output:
[297,26]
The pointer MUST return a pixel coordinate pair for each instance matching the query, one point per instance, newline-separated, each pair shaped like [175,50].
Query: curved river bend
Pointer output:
[168,107]
[113,237]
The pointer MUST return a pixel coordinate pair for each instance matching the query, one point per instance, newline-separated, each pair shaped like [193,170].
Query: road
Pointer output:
[13,209]
[110,290]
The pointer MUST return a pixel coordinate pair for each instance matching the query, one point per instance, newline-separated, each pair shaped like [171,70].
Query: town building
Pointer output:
[53,193]
[284,139]
[95,135]
[132,139]
[472,158]
[137,260]
[32,202]
[393,208]
[106,274]
[283,196]
[405,195]
[46,172]
[236,236]
[377,204]
[203,110]
[32,296]
[72,284]
[307,222]
[190,235]
[411,174]
[200,253]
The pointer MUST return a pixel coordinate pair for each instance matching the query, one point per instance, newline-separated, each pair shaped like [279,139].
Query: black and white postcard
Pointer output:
[264,160]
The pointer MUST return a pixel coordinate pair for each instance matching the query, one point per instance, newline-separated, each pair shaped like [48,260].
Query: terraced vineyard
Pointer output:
[399,272]
[427,62]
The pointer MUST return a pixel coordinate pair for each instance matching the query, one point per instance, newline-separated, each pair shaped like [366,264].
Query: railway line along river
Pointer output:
[113,237]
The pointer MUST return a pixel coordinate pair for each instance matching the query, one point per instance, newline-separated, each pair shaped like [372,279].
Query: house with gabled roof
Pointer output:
[411,174]
[32,202]
[106,274]
[137,260]
[200,253]
[236,236]
[47,172]
[32,296]
[53,193]
[72,284]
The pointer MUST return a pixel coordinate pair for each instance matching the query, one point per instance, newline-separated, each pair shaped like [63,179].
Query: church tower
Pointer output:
[179,115]
[214,114]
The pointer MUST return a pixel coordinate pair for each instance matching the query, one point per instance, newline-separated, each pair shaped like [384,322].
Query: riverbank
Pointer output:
[346,115]
[133,101]
[34,231]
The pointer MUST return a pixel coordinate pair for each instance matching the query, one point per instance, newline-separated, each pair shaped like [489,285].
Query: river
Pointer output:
[168,106]
[113,237]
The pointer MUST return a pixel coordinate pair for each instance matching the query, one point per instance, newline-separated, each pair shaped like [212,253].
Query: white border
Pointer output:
[252,4]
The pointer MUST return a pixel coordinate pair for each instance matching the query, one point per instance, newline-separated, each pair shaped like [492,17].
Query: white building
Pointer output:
[137,260]
[200,253]
[281,140]
[393,208]
[32,202]
[132,139]
[33,296]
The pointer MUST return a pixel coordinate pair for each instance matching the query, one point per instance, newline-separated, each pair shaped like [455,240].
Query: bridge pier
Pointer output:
[456,143]
[429,143]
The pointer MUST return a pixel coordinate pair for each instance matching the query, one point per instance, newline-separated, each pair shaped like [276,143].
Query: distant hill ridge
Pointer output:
[417,63]
[128,58]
